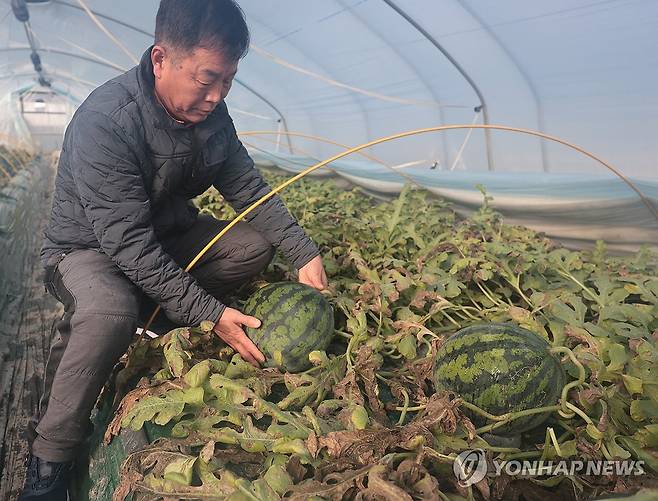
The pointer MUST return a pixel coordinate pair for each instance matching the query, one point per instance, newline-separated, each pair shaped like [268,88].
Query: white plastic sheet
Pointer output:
[354,70]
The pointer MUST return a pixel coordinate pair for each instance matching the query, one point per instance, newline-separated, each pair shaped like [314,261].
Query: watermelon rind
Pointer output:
[500,368]
[295,320]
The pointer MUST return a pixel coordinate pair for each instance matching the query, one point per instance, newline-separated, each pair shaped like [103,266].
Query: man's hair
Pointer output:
[212,24]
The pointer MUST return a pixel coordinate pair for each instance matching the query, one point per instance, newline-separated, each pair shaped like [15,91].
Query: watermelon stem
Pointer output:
[576,410]
[342,334]
[523,455]
[501,450]
[517,287]
[412,409]
[444,458]
[564,398]
[470,297]
[569,276]
[489,297]
[452,320]
[466,309]
[460,315]
[551,439]
[405,407]
[506,418]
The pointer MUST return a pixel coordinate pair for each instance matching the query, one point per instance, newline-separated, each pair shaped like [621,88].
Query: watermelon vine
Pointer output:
[365,420]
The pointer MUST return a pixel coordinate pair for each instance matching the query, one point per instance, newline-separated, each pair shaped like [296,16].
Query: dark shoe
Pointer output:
[46,480]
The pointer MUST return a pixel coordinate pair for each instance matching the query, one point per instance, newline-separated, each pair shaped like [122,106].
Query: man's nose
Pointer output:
[215,95]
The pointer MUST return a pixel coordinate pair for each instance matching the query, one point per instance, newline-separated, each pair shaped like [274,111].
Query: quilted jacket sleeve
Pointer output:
[108,179]
[241,184]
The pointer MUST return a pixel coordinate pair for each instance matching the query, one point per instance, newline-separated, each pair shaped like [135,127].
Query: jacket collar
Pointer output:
[158,114]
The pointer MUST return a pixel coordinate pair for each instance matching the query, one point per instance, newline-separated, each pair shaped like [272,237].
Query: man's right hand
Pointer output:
[229,329]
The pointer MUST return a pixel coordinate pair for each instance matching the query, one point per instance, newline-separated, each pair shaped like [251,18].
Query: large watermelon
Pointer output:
[500,368]
[295,320]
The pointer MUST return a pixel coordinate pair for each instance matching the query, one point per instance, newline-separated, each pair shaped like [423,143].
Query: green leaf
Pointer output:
[459,265]
[293,446]
[163,375]
[618,358]
[204,425]
[641,495]
[176,356]
[162,409]
[594,432]
[180,471]
[258,490]
[632,384]
[615,449]
[610,292]
[359,417]
[447,443]
[198,374]
[278,479]
[642,410]
[648,436]
[394,220]
[239,369]
[636,449]
[567,449]
[407,347]
[571,310]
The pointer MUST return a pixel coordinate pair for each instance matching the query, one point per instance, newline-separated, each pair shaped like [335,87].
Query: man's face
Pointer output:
[191,85]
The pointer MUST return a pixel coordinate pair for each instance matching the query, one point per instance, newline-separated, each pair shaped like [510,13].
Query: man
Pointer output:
[122,226]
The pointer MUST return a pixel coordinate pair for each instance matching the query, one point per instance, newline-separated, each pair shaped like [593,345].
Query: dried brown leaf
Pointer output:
[296,469]
[420,262]
[125,406]
[293,380]
[334,486]
[348,389]
[381,489]
[127,485]
[439,411]
[415,479]
[581,336]
[208,451]
[366,367]
[422,297]
[312,444]
[589,395]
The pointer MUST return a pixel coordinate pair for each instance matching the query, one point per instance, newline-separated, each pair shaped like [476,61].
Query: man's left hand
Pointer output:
[312,274]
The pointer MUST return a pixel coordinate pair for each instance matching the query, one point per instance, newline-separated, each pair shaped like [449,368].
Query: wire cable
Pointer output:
[458,157]
[102,27]
[352,88]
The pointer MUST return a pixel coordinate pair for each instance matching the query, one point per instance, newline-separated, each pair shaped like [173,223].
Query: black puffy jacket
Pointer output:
[126,174]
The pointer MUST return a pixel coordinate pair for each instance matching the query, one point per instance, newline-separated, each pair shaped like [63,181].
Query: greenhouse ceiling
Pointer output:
[351,71]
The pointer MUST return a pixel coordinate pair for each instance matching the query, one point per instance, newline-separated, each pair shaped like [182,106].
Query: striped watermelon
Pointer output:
[295,320]
[500,368]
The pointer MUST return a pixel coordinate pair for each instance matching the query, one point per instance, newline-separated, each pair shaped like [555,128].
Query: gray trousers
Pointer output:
[102,310]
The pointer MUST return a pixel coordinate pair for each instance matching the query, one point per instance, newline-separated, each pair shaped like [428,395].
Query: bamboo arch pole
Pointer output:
[340,145]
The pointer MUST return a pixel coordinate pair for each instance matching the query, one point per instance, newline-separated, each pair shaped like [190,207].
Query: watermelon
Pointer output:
[295,320]
[500,368]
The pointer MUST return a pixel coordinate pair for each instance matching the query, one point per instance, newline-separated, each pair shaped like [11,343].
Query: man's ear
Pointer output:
[158,56]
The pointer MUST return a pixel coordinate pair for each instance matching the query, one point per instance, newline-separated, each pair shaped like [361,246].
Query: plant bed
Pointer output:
[365,421]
